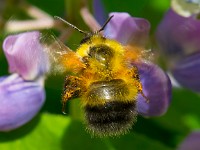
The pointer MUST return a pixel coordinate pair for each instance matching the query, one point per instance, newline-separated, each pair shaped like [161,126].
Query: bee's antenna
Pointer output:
[108,20]
[71,25]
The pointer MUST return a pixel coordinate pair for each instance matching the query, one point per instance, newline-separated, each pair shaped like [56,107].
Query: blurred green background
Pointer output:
[50,130]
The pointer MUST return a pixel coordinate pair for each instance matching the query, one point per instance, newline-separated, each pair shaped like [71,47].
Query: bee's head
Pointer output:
[95,47]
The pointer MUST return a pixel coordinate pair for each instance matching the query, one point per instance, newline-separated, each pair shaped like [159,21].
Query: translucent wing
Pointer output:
[61,57]
[137,54]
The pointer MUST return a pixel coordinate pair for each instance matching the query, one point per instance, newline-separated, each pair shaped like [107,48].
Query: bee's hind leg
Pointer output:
[135,75]
[72,89]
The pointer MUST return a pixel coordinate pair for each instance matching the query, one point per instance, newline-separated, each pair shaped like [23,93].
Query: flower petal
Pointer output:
[25,55]
[156,87]
[20,101]
[99,11]
[191,142]
[178,36]
[187,72]
[128,30]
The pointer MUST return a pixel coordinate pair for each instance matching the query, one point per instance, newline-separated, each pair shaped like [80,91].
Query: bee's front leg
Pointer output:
[72,89]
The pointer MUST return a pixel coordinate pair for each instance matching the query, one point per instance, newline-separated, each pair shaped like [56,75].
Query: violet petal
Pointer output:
[99,11]
[178,36]
[187,72]
[25,55]
[156,87]
[20,101]
[191,142]
[127,30]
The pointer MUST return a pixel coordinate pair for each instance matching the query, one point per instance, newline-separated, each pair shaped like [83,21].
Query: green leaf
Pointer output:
[76,138]
[183,109]
[137,141]
[182,116]
[56,132]
[44,132]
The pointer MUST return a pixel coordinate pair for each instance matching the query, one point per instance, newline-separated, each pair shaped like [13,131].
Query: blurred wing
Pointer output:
[137,54]
[138,57]
[61,57]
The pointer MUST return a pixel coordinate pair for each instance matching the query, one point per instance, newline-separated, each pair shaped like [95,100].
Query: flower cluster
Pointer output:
[22,93]
[178,36]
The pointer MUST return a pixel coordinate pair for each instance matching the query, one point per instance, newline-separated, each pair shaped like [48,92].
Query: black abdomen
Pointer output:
[111,119]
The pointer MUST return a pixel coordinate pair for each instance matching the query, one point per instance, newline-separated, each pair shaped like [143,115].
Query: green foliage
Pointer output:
[45,131]
[56,132]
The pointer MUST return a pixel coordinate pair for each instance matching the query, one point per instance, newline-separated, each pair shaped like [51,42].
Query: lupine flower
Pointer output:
[25,55]
[191,142]
[178,37]
[19,101]
[22,93]
[156,85]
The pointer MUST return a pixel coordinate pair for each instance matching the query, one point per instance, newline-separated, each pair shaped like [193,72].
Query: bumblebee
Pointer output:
[105,82]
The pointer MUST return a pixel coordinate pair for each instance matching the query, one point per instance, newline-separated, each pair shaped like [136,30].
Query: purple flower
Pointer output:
[191,142]
[157,87]
[20,101]
[178,37]
[22,93]
[128,30]
[156,84]
[25,55]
